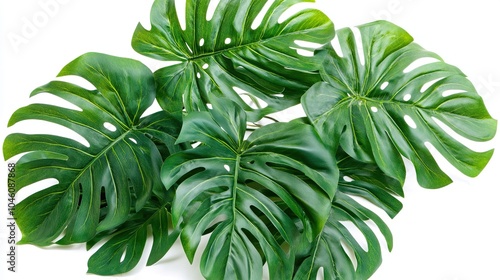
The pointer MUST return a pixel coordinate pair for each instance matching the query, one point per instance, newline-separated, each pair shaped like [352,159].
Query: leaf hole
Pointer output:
[202,42]
[419,63]
[42,127]
[350,253]
[215,222]
[80,194]
[205,66]
[133,140]
[251,100]
[109,126]
[124,254]
[212,7]
[374,109]
[336,46]
[240,91]
[263,218]
[189,48]
[198,75]
[321,274]
[407,97]
[441,161]
[359,44]
[307,44]
[357,235]
[384,85]
[429,84]
[228,169]
[285,246]
[253,240]
[410,122]
[186,176]
[451,92]
[348,179]
[260,17]
[364,202]
[79,81]
[471,144]
[223,129]
[305,53]
[35,187]
[50,99]
[195,144]
[180,9]
[154,108]
[227,41]
[296,8]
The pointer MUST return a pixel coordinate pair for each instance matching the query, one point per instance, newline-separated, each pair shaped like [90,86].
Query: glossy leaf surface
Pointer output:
[248,191]
[222,51]
[382,101]
[123,251]
[348,248]
[115,171]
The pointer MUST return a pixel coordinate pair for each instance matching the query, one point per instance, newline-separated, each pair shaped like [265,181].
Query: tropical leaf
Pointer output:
[222,186]
[227,55]
[121,162]
[369,182]
[348,248]
[122,252]
[381,104]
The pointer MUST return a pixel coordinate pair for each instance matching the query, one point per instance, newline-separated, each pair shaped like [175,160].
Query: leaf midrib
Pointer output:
[383,104]
[234,204]
[97,157]
[250,45]
[412,105]
[103,152]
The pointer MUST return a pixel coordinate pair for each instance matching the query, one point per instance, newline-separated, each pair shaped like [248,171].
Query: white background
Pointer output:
[447,234]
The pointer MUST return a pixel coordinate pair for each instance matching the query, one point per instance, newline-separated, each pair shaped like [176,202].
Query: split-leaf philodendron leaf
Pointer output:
[298,197]
[332,248]
[228,181]
[120,161]
[380,106]
[124,250]
[228,54]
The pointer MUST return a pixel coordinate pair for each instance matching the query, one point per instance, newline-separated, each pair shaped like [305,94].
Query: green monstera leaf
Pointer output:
[123,251]
[348,248]
[369,182]
[223,52]
[117,171]
[249,193]
[382,102]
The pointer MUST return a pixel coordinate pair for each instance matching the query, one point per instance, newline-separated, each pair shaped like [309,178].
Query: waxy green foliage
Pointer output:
[229,53]
[98,184]
[252,189]
[381,106]
[357,180]
[290,195]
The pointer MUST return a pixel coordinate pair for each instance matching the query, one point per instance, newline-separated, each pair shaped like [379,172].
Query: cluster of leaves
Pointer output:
[285,194]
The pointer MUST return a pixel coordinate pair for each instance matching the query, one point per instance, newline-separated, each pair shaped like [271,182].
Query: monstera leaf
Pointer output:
[123,251]
[116,172]
[223,52]
[248,192]
[369,182]
[382,101]
[341,252]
